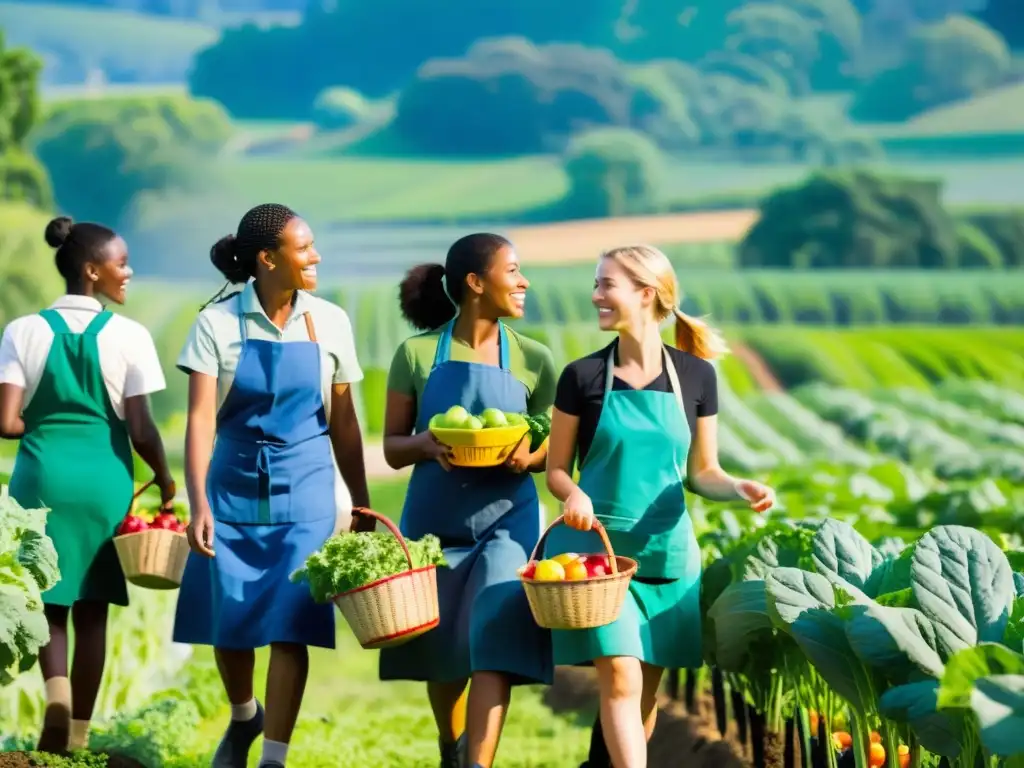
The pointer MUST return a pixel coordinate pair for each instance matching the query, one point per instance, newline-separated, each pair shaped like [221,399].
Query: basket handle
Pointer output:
[598,527]
[145,487]
[389,525]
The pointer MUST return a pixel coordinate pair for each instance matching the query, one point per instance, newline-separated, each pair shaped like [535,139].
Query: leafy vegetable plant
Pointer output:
[28,567]
[351,560]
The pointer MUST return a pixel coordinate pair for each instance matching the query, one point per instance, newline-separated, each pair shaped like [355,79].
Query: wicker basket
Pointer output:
[481,447]
[393,610]
[154,558]
[582,604]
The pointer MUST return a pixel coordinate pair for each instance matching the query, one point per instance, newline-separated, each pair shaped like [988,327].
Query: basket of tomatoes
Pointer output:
[152,546]
[574,591]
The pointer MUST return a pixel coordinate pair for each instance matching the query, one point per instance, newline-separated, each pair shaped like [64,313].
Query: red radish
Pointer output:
[164,521]
[179,527]
[132,524]
[598,565]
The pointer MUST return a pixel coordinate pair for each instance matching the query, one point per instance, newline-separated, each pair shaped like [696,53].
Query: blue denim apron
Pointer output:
[271,491]
[488,520]
[634,474]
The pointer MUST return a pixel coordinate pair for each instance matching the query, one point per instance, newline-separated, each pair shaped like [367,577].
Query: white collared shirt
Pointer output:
[128,357]
[214,344]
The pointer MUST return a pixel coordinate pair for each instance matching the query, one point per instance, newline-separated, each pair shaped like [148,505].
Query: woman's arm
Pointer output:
[146,441]
[347,442]
[706,477]
[12,426]
[561,451]
[199,435]
[401,447]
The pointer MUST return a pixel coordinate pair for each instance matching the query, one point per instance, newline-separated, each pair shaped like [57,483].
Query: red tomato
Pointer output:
[165,521]
[598,565]
[179,527]
[132,524]
[529,570]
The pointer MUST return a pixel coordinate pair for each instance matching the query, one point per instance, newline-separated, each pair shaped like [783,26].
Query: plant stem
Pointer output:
[861,734]
[718,692]
[891,741]
[806,749]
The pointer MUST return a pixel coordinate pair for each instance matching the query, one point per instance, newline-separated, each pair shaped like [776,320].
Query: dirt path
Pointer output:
[758,368]
[574,241]
[680,738]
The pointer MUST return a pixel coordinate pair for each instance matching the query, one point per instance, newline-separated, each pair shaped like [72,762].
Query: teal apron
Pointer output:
[488,521]
[634,474]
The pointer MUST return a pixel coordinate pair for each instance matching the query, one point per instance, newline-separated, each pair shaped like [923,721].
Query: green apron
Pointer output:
[76,459]
[634,474]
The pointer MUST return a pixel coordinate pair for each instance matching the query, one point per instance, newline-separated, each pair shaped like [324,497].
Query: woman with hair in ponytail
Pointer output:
[488,519]
[639,418]
[75,381]
[271,422]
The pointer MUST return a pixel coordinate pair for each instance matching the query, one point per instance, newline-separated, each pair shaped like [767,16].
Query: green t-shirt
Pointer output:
[529,361]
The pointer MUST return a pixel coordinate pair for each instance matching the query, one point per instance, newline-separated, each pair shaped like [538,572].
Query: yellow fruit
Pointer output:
[549,570]
[576,571]
[565,558]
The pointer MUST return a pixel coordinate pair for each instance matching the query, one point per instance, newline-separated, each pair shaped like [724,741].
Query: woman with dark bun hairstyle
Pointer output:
[74,386]
[270,410]
[488,520]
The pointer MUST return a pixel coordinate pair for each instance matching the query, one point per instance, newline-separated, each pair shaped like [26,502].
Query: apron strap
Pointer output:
[98,323]
[310,330]
[673,377]
[444,345]
[242,334]
[55,321]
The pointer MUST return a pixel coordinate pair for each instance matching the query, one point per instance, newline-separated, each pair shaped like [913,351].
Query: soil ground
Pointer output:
[680,737]
[39,760]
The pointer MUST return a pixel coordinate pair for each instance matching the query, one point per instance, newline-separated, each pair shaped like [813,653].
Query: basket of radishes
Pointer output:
[152,546]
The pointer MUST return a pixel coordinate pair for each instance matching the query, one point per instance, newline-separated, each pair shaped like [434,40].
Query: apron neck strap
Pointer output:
[444,345]
[670,369]
[242,323]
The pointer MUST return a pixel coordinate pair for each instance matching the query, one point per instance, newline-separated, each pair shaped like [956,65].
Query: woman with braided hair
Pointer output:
[75,381]
[270,373]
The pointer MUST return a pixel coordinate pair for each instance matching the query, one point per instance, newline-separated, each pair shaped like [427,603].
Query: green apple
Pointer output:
[492,417]
[473,423]
[514,419]
[455,417]
[437,421]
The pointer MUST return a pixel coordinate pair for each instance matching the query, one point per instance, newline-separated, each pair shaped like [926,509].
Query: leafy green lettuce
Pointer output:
[351,560]
[28,567]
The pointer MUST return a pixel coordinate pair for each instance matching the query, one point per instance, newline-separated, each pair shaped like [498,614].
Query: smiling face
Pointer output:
[111,274]
[294,261]
[620,302]
[502,287]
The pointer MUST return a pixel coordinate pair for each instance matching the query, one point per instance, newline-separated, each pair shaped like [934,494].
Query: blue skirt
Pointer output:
[243,599]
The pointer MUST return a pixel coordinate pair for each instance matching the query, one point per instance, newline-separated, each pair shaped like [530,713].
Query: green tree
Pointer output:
[949,61]
[101,153]
[28,277]
[21,176]
[853,220]
[612,172]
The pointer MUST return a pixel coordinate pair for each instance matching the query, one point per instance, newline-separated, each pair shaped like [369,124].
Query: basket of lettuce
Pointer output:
[384,586]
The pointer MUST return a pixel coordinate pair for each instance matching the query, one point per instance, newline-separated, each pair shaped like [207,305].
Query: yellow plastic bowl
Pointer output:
[481,447]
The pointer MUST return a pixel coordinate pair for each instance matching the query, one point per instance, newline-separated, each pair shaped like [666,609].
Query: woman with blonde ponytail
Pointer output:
[639,417]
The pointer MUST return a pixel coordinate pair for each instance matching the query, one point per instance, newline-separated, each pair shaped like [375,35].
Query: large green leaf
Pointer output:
[821,635]
[916,703]
[1018,583]
[963,583]
[1013,637]
[998,703]
[968,666]
[899,641]
[792,591]
[841,553]
[741,619]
